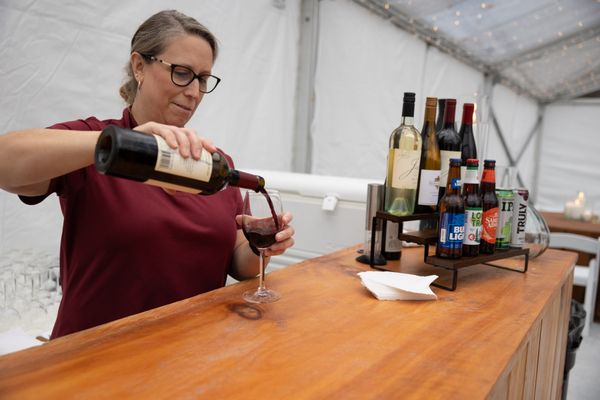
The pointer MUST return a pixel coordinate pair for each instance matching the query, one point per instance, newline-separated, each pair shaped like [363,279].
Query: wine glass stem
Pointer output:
[261,282]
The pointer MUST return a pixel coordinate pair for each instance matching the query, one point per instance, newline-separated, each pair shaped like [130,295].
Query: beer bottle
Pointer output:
[452,216]
[490,208]
[473,209]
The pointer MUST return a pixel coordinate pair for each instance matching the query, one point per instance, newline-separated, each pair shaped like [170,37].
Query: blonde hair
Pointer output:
[153,36]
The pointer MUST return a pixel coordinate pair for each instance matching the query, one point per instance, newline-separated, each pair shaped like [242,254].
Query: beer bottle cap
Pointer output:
[473,162]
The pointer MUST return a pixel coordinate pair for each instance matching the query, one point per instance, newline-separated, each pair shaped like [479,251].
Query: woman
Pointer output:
[128,247]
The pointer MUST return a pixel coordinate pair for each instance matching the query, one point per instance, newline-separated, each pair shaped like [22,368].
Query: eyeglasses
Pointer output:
[183,76]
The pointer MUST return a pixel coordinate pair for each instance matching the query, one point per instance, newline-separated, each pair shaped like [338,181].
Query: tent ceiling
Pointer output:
[549,49]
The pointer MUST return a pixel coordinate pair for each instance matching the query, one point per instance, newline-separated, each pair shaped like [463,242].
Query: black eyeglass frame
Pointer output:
[200,77]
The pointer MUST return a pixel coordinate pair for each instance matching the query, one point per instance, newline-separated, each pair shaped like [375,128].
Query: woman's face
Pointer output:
[159,99]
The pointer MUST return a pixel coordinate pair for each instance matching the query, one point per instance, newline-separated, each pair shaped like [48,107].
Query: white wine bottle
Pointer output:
[133,155]
[429,173]
[403,163]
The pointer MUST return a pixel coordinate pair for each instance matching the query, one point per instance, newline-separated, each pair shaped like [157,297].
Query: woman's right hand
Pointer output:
[184,139]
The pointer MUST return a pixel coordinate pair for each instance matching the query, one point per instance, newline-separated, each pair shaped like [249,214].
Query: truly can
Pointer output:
[506,200]
[517,237]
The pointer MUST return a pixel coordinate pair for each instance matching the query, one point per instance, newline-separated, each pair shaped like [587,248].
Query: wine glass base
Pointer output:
[261,296]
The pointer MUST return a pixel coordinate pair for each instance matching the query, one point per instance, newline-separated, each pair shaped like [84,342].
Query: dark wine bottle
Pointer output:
[439,124]
[133,155]
[449,143]
[468,147]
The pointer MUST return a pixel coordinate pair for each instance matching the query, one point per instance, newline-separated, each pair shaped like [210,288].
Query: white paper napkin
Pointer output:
[387,285]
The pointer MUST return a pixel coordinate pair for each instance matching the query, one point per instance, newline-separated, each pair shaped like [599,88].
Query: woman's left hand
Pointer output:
[284,237]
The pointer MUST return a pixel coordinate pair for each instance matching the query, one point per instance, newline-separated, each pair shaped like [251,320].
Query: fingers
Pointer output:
[279,247]
[284,237]
[184,139]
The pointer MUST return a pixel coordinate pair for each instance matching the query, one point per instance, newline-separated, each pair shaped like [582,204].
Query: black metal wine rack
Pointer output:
[429,237]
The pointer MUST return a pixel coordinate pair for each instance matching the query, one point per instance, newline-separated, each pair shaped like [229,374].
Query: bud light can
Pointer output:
[506,200]
[517,238]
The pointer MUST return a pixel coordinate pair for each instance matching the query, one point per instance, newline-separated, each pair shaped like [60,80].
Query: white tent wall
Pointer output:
[64,62]
[364,66]
[517,115]
[571,149]
[67,62]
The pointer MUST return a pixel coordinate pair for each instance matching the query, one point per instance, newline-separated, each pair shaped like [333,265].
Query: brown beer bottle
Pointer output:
[473,209]
[490,208]
[452,216]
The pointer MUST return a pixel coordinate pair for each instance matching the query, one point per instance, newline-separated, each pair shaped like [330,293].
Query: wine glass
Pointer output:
[260,223]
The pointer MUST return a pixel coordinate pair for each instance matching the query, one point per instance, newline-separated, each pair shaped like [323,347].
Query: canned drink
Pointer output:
[506,200]
[517,238]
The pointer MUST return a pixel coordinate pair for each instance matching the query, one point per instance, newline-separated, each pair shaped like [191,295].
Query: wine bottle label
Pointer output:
[406,169]
[429,189]
[445,156]
[473,218]
[170,161]
[489,224]
[392,243]
[452,230]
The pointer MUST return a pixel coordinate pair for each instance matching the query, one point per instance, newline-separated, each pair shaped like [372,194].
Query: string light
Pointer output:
[497,42]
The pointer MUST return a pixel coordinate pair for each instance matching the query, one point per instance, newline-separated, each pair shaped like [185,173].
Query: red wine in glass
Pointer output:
[260,224]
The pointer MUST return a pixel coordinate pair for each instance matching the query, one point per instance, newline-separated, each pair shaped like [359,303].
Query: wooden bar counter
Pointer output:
[501,334]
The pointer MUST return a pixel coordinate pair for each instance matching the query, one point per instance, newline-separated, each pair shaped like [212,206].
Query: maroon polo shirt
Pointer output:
[128,247]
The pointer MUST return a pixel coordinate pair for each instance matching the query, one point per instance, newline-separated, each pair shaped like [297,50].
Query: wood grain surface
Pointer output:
[327,338]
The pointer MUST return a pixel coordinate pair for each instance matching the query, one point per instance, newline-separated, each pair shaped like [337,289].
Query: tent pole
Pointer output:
[305,84]
[532,133]
[511,160]
[537,155]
